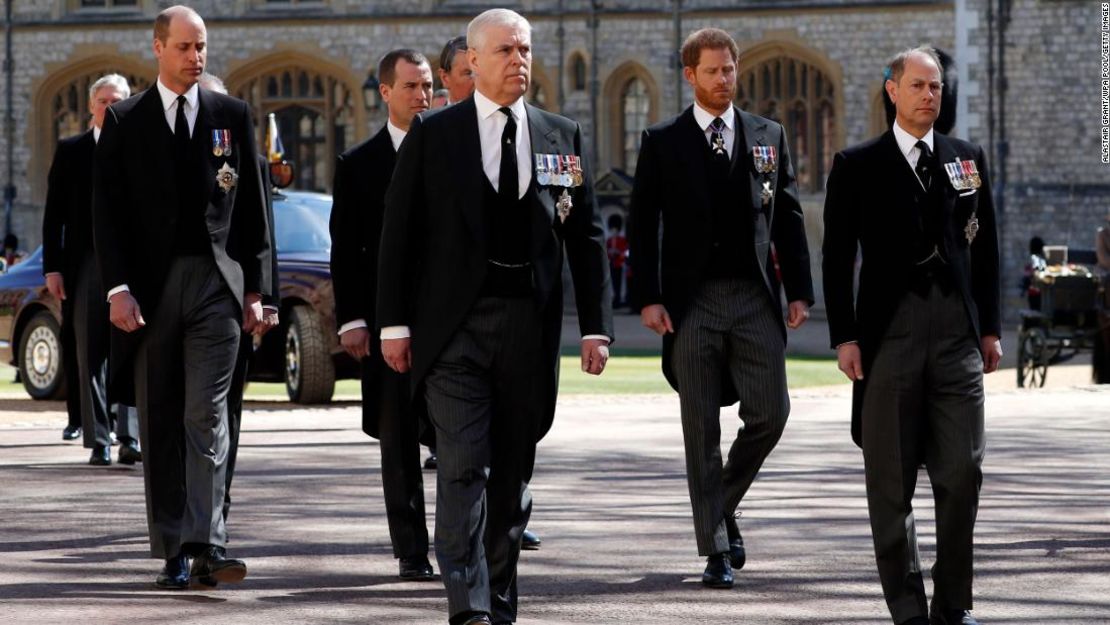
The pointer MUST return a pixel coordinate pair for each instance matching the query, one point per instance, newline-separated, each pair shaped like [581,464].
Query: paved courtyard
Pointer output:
[611,507]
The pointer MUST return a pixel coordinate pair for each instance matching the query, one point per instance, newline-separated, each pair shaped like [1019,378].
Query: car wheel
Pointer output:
[309,369]
[40,358]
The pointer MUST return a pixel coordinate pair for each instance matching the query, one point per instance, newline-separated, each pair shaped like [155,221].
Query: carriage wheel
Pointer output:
[1032,359]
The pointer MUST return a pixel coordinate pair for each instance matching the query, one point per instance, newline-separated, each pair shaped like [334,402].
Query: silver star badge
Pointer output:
[226,178]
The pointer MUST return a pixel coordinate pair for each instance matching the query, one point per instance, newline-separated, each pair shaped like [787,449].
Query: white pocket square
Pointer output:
[967,193]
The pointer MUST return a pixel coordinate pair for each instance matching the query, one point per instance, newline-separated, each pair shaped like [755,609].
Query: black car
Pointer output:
[303,352]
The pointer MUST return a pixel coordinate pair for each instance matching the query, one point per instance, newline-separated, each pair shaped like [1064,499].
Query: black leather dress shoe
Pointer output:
[129,452]
[951,617]
[213,566]
[529,541]
[480,619]
[101,456]
[431,463]
[175,574]
[71,433]
[718,571]
[736,551]
[416,568]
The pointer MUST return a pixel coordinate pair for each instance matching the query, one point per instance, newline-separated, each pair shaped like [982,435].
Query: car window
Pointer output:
[301,224]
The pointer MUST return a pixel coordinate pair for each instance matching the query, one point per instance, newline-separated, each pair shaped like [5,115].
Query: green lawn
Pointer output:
[625,374]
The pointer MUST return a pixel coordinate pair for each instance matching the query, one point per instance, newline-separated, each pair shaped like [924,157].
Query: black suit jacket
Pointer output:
[137,206]
[433,248]
[869,207]
[671,187]
[67,219]
[362,175]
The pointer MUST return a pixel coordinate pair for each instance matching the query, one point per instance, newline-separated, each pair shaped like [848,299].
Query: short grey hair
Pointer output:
[119,83]
[897,65]
[476,30]
[212,82]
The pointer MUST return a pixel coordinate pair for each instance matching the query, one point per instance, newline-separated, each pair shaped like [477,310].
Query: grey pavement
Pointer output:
[611,507]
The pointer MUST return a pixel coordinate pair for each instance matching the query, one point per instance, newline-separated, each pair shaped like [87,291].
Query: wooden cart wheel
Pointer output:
[1032,359]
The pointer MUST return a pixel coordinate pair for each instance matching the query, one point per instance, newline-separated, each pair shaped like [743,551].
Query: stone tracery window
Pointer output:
[315,116]
[635,106]
[801,97]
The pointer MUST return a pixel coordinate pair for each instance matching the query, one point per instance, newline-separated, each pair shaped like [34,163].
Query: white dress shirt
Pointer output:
[705,118]
[396,136]
[907,143]
[491,124]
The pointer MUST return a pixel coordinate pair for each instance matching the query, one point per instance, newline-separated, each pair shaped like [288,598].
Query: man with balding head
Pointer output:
[486,198]
[183,246]
[916,340]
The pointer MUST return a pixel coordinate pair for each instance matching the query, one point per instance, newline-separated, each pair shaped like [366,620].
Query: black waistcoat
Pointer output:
[508,243]
[732,237]
[191,236]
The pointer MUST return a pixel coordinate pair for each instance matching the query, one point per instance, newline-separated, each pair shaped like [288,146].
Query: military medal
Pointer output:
[972,173]
[221,142]
[543,178]
[764,158]
[563,206]
[955,175]
[577,176]
[719,143]
[766,194]
[226,178]
[972,228]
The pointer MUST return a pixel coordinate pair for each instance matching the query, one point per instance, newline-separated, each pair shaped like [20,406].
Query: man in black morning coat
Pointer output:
[389,414]
[916,206]
[470,299]
[183,246]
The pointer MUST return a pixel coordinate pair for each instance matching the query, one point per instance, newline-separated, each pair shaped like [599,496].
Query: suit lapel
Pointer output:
[160,140]
[466,163]
[207,115]
[692,147]
[544,140]
[945,153]
[755,133]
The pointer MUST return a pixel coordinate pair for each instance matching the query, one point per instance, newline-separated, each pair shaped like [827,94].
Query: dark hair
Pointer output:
[387,68]
[453,47]
[615,222]
[707,38]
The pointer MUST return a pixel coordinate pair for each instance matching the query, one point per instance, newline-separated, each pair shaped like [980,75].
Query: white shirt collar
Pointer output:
[704,117]
[169,98]
[96,134]
[907,142]
[487,107]
[396,135]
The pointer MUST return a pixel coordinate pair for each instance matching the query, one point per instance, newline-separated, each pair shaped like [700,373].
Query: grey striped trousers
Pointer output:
[729,333]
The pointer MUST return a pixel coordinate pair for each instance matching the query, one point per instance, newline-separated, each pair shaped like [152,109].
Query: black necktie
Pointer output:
[924,165]
[181,128]
[507,186]
[717,139]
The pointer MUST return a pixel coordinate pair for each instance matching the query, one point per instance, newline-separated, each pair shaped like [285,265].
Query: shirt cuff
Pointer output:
[352,325]
[396,332]
[119,289]
[52,273]
[847,343]
[599,337]
[270,308]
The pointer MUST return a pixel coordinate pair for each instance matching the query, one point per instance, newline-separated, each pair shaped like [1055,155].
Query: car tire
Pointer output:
[41,365]
[309,369]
